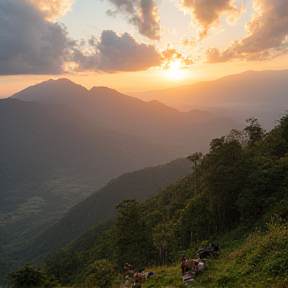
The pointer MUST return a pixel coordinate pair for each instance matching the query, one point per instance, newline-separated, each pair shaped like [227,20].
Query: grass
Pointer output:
[257,260]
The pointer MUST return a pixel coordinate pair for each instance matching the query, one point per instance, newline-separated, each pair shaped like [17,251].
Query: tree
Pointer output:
[100,274]
[241,136]
[224,171]
[27,277]
[132,238]
[196,158]
[255,131]
[163,237]
[193,222]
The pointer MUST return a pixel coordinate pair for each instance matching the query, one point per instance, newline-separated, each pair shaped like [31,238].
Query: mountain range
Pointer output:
[258,94]
[178,132]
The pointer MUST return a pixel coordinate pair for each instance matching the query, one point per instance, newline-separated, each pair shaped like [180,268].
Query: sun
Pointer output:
[174,71]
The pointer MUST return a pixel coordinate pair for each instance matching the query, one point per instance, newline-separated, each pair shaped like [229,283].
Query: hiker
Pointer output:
[127,281]
[128,273]
[137,277]
[183,263]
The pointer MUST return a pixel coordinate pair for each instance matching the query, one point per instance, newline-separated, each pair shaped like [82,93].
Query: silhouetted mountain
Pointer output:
[101,205]
[37,138]
[177,131]
[259,94]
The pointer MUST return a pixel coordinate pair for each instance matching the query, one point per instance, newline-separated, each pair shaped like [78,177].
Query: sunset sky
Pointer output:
[134,45]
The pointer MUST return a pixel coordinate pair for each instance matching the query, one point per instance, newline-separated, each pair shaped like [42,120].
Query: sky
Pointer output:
[137,45]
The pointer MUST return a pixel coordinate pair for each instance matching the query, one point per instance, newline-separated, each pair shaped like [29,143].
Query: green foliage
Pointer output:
[132,239]
[255,131]
[259,261]
[100,274]
[29,276]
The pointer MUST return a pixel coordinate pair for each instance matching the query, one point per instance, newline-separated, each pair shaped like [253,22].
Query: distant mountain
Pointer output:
[37,138]
[101,205]
[259,94]
[181,133]
[51,157]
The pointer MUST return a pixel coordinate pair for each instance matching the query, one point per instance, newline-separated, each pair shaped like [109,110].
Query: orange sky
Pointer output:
[135,45]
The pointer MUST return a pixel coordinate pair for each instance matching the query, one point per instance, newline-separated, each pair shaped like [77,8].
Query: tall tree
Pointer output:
[223,177]
[27,276]
[196,159]
[254,130]
[133,240]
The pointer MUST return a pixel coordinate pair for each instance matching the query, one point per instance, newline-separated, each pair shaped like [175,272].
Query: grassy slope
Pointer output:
[254,260]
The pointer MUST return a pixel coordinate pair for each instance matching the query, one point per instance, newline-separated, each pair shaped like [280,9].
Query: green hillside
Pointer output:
[96,208]
[51,158]
[237,197]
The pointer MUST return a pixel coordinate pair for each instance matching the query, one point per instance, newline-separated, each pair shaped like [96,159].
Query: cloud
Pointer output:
[213,55]
[28,43]
[31,44]
[53,8]
[208,12]
[114,53]
[141,13]
[266,35]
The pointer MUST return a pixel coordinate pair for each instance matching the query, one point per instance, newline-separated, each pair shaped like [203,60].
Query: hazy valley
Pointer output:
[258,94]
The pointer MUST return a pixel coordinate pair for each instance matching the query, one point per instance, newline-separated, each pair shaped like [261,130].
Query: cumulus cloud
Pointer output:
[141,13]
[267,35]
[208,12]
[114,53]
[53,8]
[29,44]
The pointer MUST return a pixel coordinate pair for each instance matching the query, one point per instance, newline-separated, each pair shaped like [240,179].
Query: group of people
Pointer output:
[190,267]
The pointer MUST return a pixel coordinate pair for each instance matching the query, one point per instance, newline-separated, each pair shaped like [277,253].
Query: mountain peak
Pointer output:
[51,91]
[101,89]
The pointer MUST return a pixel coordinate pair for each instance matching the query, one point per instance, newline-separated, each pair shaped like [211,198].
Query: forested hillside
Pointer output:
[100,206]
[238,186]
[51,157]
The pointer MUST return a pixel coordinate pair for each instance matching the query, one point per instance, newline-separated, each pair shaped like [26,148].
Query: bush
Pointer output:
[100,274]
[28,277]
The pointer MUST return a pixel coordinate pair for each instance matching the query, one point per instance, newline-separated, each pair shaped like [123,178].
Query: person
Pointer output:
[183,263]
[128,274]
[137,277]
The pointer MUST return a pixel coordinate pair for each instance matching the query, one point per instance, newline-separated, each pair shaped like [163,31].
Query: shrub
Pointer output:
[100,274]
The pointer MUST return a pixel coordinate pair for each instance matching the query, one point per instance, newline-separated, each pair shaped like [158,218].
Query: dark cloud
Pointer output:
[28,43]
[267,35]
[208,12]
[141,13]
[116,53]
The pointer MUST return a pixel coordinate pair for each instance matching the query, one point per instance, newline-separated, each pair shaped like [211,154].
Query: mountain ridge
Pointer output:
[152,121]
[258,94]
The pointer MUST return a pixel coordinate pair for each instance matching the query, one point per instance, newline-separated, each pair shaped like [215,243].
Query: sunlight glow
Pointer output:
[175,72]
